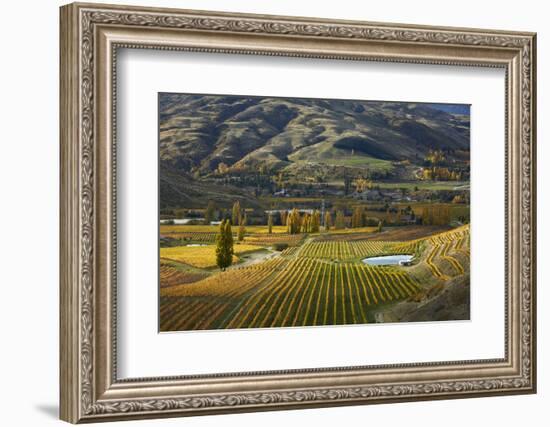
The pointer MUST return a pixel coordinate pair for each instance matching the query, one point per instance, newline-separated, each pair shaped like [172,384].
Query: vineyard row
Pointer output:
[299,292]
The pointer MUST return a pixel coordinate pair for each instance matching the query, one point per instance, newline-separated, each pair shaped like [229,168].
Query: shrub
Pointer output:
[280,246]
[371,222]
[195,222]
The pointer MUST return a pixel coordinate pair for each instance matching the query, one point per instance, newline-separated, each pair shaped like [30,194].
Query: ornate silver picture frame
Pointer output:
[91,34]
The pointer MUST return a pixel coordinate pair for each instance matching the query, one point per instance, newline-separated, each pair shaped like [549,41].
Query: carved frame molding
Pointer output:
[90,36]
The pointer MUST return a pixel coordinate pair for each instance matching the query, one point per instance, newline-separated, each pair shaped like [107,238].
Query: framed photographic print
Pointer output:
[333,212]
[264,212]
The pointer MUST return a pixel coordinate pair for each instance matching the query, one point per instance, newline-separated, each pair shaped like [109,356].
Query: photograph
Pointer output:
[300,212]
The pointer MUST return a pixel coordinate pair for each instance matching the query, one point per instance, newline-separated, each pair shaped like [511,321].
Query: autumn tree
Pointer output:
[236,213]
[293,222]
[436,215]
[315,222]
[357,217]
[441,173]
[224,245]
[209,213]
[306,222]
[242,227]
[328,221]
[283,216]
[340,222]
[270,224]
[458,199]
[288,224]
[435,158]
[362,184]
[427,219]
[426,174]
[222,168]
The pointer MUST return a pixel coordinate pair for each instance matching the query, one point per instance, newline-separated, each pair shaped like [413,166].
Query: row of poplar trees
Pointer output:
[239,218]
[311,223]
[306,223]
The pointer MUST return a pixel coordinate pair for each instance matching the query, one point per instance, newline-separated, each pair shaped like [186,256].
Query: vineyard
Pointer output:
[259,239]
[312,282]
[346,251]
[200,256]
[195,237]
[449,252]
[255,229]
[298,292]
[272,239]
[172,276]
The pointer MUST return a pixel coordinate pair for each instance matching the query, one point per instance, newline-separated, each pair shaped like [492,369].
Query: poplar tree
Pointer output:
[357,217]
[224,245]
[236,213]
[340,220]
[242,228]
[315,222]
[288,225]
[209,213]
[229,243]
[283,215]
[294,222]
[328,221]
[270,224]
[306,221]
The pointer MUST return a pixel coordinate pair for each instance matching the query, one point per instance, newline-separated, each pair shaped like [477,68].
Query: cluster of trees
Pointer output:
[306,223]
[436,215]
[364,181]
[459,198]
[244,176]
[340,222]
[435,157]
[267,179]
[358,217]
[311,223]
[222,169]
[296,222]
[437,173]
[240,168]
[239,217]
[436,168]
[362,184]
[293,222]
[397,216]
[224,245]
